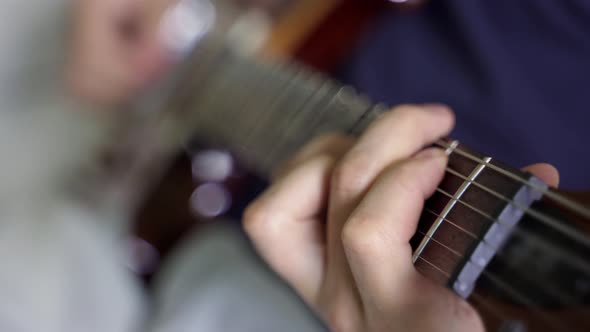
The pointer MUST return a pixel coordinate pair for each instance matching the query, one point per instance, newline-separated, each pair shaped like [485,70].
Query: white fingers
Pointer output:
[286,223]
[395,136]
[376,235]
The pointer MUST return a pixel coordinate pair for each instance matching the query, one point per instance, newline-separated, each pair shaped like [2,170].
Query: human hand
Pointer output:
[336,225]
[115,48]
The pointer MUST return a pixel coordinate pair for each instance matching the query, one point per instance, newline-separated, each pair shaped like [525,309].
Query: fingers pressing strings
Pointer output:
[376,236]
[397,135]
[376,242]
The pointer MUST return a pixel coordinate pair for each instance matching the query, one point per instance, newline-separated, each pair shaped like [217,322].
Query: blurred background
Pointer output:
[207,183]
[515,72]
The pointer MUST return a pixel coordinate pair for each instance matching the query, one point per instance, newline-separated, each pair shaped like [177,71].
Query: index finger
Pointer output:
[395,136]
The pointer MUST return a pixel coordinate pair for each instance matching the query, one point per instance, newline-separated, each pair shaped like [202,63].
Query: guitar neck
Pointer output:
[265,112]
[469,230]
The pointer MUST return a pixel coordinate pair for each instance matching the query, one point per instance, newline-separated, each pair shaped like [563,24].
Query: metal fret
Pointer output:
[213,95]
[344,110]
[242,96]
[306,117]
[452,147]
[369,117]
[283,89]
[451,204]
[275,83]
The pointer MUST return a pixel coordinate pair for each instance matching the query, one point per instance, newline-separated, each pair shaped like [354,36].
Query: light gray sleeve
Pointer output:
[62,272]
[61,265]
[215,282]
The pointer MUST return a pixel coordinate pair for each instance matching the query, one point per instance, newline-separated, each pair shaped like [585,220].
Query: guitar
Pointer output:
[499,238]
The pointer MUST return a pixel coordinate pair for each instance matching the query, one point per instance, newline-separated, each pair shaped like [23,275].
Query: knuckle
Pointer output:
[421,121]
[360,238]
[341,319]
[406,177]
[330,139]
[467,315]
[408,115]
[256,218]
[418,179]
[333,145]
[325,143]
[350,175]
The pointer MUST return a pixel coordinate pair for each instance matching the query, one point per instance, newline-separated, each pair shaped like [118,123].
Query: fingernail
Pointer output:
[437,108]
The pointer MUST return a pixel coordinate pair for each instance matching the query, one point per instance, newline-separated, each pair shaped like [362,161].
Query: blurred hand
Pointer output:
[115,49]
[336,225]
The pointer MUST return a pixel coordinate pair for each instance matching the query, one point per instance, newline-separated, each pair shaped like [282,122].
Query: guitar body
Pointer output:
[481,234]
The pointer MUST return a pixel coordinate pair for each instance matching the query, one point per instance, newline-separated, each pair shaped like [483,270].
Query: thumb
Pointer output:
[545,172]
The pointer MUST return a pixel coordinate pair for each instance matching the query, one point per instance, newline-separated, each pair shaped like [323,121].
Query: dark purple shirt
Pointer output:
[517,73]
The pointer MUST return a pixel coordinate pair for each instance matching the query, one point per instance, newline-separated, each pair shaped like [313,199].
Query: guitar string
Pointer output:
[477,184]
[520,206]
[566,299]
[504,174]
[471,234]
[539,216]
[581,264]
[519,297]
[578,208]
[459,152]
[535,214]
[530,211]
[562,296]
[296,71]
[487,215]
[566,202]
[513,293]
[482,303]
[566,257]
[557,197]
[545,191]
[447,275]
[555,292]
[550,221]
